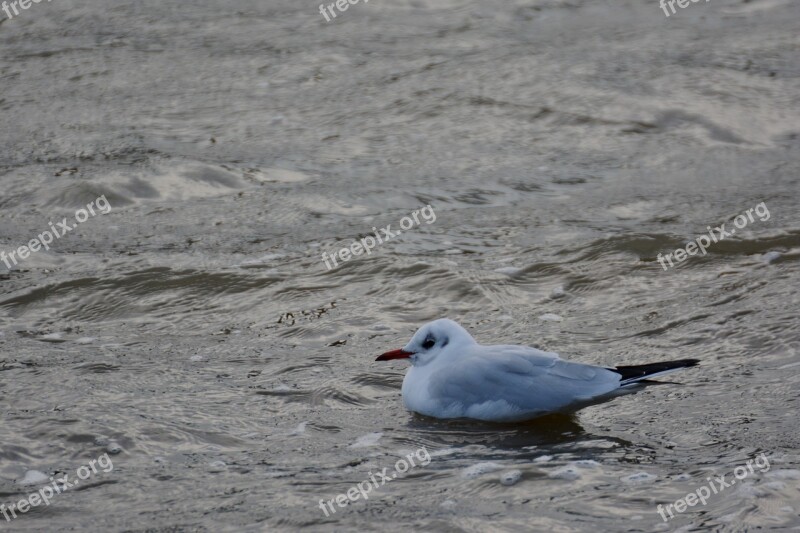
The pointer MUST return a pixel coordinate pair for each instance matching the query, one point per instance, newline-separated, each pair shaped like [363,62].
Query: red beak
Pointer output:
[394,354]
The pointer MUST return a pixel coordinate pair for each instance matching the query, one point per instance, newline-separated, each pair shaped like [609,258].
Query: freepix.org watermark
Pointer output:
[671,3]
[715,235]
[44,239]
[340,5]
[365,487]
[23,4]
[716,485]
[57,486]
[368,243]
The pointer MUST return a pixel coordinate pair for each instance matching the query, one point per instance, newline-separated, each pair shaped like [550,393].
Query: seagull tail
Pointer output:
[633,374]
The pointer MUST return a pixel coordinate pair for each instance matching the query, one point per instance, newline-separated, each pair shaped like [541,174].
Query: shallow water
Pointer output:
[195,335]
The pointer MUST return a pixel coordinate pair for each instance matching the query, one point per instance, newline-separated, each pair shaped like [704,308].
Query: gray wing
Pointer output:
[528,379]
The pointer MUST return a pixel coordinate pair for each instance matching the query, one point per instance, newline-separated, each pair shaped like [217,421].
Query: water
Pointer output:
[193,336]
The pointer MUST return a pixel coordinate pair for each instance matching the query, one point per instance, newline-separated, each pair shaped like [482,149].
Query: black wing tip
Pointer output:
[640,372]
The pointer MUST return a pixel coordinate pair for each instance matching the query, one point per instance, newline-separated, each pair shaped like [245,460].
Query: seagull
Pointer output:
[452,376]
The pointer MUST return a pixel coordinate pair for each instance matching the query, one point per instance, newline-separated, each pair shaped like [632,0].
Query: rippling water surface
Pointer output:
[195,335]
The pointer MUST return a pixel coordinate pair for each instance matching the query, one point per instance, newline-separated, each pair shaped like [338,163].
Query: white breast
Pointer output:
[416,396]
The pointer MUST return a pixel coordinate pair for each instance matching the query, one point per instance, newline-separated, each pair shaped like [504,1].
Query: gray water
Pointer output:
[193,337]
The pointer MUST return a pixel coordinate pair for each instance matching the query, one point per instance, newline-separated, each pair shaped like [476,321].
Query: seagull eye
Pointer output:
[428,344]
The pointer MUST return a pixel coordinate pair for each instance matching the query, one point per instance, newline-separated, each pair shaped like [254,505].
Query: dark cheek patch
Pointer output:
[444,343]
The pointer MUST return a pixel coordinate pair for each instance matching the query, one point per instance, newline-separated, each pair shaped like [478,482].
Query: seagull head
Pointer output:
[430,341]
